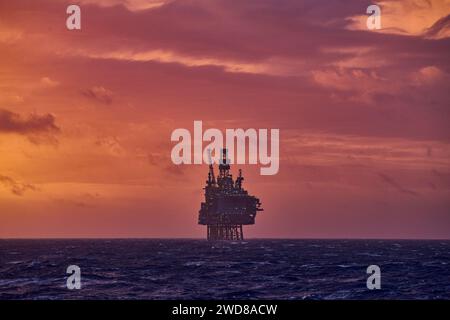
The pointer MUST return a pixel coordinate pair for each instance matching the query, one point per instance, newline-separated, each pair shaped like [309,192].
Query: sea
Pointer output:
[199,269]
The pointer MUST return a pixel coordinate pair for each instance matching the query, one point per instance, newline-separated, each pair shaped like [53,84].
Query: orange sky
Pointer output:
[86,116]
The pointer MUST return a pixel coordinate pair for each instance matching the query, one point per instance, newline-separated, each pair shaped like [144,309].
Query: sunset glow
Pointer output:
[86,115]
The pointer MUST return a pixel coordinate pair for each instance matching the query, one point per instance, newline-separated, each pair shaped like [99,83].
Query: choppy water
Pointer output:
[197,269]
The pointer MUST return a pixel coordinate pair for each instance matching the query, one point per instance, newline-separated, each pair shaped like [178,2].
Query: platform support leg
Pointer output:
[224,232]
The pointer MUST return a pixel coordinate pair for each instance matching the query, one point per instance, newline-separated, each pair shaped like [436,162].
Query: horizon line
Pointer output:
[191,238]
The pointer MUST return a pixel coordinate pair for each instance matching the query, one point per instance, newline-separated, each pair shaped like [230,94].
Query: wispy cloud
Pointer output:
[167,56]
[49,83]
[16,187]
[100,94]
[132,5]
[393,183]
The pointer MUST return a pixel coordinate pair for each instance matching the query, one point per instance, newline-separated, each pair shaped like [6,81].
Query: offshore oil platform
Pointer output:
[227,205]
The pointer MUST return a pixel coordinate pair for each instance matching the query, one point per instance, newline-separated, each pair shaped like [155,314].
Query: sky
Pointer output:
[86,115]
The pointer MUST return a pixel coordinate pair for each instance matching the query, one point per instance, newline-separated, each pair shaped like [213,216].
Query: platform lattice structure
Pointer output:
[227,205]
[225,232]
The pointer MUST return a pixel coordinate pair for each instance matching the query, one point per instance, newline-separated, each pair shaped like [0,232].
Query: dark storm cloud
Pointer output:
[11,122]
